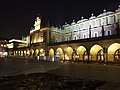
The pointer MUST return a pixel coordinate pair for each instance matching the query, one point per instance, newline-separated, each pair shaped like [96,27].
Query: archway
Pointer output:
[117,56]
[51,54]
[94,52]
[100,56]
[85,56]
[36,52]
[25,52]
[112,51]
[80,51]
[31,52]
[68,53]
[42,52]
[59,53]
[28,52]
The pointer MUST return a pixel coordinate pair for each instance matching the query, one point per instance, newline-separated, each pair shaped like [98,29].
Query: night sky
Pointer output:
[17,16]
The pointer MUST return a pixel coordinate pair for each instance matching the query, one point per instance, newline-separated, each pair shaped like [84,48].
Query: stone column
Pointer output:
[105,56]
[88,54]
[103,31]
[90,31]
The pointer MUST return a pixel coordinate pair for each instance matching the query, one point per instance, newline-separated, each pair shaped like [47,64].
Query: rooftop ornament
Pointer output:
[82,18]
[92,16]
[118,8]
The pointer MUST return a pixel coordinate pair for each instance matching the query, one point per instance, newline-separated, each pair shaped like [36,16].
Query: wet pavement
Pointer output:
[110,73]
[14,66]
[100,72]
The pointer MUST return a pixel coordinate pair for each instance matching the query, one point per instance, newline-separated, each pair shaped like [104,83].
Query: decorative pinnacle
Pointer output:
[119,6]
[92,14]
[82,17]
[104,10]
[65,22]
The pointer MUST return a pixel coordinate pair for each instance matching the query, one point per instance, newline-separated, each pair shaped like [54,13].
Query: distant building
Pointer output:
[96,39]
[3,47]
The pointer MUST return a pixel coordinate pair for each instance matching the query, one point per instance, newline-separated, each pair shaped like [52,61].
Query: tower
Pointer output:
[37,23]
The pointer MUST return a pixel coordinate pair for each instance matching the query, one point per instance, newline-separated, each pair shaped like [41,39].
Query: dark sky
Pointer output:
[17,16]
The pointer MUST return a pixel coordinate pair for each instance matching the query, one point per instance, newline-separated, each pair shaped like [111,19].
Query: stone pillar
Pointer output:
[105,56]
[117,30]
[103,31]
[90,31]
[88,54]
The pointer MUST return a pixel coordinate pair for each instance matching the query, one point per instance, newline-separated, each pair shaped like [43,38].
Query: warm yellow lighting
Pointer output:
[112,48]
[111,51]
[51,52]
[15,40]
[37,23]
[37,51]
[94,50]
[28,52]
[42,52]
[69,52]
[60,51]
[10,45]
[1,45]
[80,50]
[32,51]
[21,53]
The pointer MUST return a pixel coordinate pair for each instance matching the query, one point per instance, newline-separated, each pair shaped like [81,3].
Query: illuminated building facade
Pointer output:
[3,47]
[94,39]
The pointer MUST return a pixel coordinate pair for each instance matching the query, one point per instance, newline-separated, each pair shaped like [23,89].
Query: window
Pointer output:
[111,20]
[75,37]
[84,36]
[92,24]
[96,34]
[67,39]
[109,33]
[55,40]
[104,21]
[98,23]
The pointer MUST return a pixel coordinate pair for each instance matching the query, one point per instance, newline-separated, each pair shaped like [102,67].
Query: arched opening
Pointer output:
[117,56]
[100,56]
[51,54]
[31,52]
[68,53]
[94,52]
[21,53]
[36,52]
[28,52]
[59,53]
[85,56]
[81,52]
[112,52]
[24,52]
[42,52]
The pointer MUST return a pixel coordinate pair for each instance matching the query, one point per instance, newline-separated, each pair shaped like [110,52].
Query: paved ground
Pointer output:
[19,66]
[109,73]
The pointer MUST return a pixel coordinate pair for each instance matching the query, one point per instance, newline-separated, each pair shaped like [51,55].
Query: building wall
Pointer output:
[94,38]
